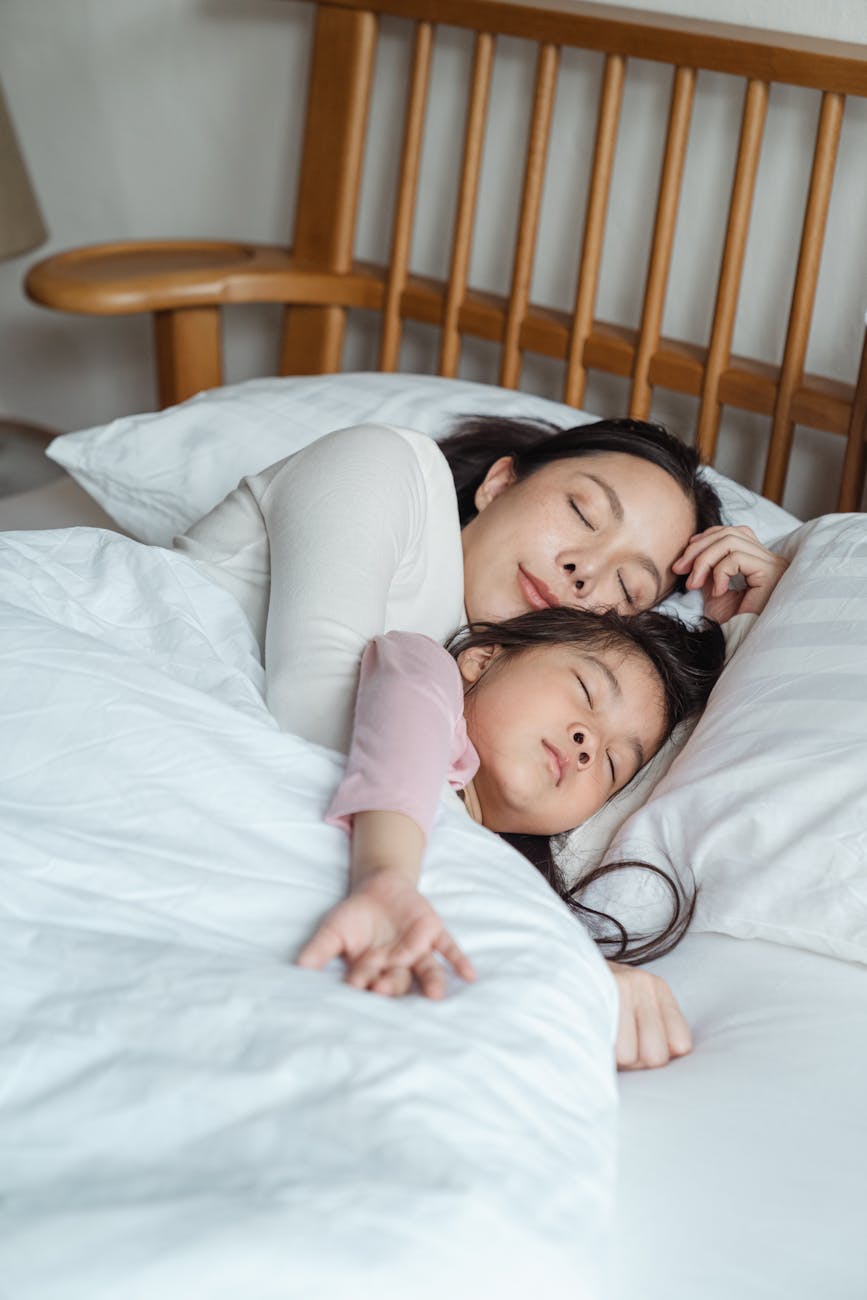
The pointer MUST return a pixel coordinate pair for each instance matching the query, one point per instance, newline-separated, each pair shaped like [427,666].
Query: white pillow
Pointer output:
[767,802]
[156,474]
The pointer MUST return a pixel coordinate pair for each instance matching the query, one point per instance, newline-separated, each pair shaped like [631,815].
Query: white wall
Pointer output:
[181,117]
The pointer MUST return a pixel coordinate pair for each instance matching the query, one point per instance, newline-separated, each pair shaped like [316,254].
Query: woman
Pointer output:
[374,529]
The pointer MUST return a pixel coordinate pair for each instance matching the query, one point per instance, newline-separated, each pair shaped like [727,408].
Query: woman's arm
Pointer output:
[363,535]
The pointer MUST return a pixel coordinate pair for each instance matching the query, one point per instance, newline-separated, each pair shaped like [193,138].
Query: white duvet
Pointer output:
[183,1112]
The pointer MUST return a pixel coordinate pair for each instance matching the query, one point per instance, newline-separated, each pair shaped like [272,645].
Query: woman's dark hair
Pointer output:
[687,661]
[479,440]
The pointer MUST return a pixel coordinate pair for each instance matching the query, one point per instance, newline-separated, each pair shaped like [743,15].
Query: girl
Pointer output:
[538,720]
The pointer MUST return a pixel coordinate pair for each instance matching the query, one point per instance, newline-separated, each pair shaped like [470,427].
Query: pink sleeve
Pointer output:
[409,735]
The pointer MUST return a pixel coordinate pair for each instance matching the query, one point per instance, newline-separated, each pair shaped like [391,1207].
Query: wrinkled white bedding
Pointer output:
[183,1112]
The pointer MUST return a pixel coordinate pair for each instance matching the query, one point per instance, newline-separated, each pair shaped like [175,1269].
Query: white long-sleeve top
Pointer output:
[353,536]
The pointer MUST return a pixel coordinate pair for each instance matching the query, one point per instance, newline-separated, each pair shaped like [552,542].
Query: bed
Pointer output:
[185,1112]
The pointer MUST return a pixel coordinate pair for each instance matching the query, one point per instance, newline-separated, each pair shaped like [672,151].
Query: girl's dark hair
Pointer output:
[687,662]
[479,440]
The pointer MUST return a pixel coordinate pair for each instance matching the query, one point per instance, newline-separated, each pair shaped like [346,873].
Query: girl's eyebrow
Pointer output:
[606,672]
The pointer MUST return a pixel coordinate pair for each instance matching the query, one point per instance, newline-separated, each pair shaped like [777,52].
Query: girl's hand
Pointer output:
[387,933]
[717,555]
[651,1028]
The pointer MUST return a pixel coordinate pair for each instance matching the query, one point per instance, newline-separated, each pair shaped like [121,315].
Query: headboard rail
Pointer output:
[326,274]
[705,369]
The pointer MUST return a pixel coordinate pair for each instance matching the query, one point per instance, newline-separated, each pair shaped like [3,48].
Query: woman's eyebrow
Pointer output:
[613,499]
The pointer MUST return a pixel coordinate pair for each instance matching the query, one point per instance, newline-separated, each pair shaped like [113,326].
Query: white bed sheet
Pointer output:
[182,1111]
[743,1167]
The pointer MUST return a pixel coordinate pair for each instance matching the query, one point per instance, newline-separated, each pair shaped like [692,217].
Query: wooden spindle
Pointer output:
[531,202]
[607,122]
[809,258]
[731,270]
[852,481]
[341,74]
[407,192]
[663,238]
[474,137]
[189,352]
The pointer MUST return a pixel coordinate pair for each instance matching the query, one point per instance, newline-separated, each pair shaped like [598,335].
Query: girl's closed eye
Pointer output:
[583,686]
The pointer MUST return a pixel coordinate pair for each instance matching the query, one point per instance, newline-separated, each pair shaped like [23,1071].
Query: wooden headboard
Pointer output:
[185,283]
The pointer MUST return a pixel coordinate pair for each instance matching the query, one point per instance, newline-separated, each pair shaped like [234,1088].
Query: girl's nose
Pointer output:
[584,745]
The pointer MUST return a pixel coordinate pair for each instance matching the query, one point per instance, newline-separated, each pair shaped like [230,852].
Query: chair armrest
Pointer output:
[172,275]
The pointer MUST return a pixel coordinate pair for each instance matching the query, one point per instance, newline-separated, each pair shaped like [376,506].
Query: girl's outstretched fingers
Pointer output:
[423,940]
[455,957]
[394,983]
[325,945]
[431,977]
[367,969]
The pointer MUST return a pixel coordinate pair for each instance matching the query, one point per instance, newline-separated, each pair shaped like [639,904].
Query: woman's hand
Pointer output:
[650,1027]
[717,555]
[387,933]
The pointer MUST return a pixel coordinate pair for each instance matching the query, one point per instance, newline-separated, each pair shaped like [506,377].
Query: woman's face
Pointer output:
[559,730]
[594,532]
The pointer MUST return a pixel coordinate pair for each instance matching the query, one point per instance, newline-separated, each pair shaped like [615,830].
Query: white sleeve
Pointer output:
[341,517]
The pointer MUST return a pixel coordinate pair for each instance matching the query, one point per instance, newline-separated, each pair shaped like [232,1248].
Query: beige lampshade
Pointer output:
[21,224]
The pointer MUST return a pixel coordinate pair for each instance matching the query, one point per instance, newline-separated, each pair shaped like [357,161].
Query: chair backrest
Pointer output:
[341,79]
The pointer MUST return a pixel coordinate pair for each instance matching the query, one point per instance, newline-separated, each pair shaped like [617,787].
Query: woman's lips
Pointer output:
[535,592]
[556,761]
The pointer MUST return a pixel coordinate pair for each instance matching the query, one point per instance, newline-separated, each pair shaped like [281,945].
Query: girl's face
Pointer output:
[593,532]
[559,729]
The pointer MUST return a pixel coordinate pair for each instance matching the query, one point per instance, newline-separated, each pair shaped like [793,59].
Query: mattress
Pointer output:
[741,1172]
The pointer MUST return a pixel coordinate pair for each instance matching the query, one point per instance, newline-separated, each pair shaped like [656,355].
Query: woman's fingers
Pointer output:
[651,1028]
[676,1029]
[698,541]
[733,555]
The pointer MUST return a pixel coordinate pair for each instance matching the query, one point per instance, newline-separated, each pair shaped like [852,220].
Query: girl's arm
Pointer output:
[409,737]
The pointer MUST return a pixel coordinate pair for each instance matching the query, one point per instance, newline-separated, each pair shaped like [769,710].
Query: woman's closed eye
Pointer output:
[627,595]
[581,515]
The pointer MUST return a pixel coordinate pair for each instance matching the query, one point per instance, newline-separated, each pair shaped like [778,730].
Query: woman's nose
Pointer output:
[584,746]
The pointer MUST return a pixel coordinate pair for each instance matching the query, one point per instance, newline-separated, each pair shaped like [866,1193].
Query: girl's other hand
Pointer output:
[717,555]
[651,1028]
[388,934]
